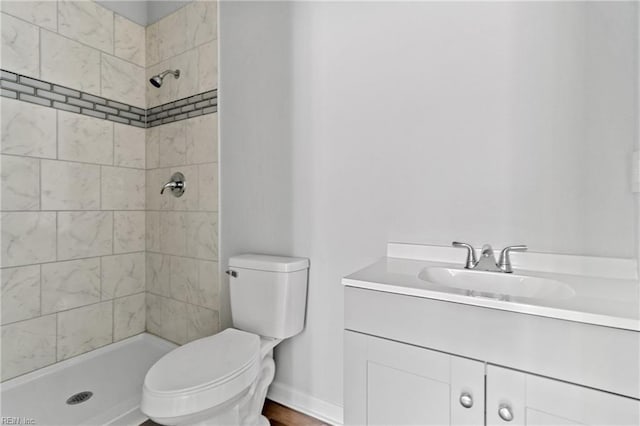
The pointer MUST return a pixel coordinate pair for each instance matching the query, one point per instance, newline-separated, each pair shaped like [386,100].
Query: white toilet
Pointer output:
[223,379]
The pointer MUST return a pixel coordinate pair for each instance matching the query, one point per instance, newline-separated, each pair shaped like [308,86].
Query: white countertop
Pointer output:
[610,302]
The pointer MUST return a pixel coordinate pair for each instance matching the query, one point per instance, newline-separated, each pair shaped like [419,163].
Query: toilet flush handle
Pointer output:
[231,273]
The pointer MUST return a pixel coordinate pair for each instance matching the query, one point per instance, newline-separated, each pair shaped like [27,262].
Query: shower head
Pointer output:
[156,80]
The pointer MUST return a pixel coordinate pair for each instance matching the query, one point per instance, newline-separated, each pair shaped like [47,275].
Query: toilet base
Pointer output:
[242,410]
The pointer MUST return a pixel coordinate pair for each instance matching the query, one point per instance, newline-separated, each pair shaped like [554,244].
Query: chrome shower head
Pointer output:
[156,80]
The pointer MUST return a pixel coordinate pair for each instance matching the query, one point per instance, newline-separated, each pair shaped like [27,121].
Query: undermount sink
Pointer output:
[495,285]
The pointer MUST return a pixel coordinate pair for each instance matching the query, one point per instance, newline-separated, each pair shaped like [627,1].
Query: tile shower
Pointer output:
[91,253]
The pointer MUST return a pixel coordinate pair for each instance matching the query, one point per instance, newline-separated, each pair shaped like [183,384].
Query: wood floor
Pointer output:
[278,415]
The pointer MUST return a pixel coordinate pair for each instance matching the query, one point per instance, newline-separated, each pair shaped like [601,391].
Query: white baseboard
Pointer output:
[305,403]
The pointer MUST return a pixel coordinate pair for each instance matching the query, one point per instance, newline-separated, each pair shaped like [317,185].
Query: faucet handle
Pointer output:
[471,254]
[170,184]
[176,184]
[504,262]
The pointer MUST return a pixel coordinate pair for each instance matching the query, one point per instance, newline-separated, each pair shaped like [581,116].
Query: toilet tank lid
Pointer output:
[263,262]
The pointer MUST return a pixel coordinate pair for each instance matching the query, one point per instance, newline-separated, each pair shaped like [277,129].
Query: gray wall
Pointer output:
[348,125]
[143,12]
[257,51]
[157,10]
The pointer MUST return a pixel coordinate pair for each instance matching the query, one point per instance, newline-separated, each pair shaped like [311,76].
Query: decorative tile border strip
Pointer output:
[20,87]
[16,86]
[182,109]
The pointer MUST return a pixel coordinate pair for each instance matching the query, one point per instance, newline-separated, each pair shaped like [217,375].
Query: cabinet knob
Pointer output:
[505,413]
[466,400]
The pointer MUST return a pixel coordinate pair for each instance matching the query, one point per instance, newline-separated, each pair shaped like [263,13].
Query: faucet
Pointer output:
[176,185]
[487,261]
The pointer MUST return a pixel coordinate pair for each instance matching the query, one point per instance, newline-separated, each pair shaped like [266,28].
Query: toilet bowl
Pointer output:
[223,379]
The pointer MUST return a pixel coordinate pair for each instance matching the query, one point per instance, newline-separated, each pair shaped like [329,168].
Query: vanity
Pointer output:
[426,342]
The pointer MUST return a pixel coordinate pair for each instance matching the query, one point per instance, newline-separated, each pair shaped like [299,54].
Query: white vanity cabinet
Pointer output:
[408,361]
[391,383]
[517,398]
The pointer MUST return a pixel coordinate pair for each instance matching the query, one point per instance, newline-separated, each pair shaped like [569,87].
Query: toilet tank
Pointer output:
[268,294]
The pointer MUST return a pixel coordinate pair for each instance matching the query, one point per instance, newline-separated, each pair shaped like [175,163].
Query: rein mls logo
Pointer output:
[17,421]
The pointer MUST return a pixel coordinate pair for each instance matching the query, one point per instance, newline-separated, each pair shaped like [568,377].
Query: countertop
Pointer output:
[610,302]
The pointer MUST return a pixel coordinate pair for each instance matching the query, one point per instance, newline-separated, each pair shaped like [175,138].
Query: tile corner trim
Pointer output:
[40,92]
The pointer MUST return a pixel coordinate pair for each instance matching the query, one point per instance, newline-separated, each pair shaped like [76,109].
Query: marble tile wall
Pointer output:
[185,40]
[72,254]
[182,272]
[90,252]
[77,44]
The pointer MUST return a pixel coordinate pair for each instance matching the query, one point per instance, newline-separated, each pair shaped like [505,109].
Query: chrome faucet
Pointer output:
[487,261]
[505,260]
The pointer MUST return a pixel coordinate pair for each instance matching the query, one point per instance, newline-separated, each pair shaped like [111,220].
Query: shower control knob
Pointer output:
[176,184]
[505,413]
[466,400]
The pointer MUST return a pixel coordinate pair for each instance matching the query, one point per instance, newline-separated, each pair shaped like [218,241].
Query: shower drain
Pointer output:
[79,398]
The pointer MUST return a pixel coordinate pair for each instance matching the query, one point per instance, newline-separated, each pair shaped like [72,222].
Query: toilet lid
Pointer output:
[204,362]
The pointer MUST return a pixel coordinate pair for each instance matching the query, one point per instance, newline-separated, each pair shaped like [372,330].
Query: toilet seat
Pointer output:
[201,374]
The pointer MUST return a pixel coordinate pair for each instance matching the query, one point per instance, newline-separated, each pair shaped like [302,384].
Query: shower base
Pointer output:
[59,394]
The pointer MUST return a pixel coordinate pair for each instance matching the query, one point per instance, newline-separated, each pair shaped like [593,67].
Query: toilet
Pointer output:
[223,379]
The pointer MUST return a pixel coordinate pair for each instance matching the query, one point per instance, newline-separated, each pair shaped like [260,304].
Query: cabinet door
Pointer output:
[391,383]
[537,401]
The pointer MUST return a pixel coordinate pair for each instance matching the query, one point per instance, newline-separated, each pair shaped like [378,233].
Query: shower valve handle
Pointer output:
[176,184]
[172,185]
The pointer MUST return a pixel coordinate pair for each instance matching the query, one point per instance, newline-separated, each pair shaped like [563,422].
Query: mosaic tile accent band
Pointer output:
[193,106]
[16,86]
[40,92]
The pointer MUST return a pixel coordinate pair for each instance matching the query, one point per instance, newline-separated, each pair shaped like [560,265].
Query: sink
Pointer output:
[496,285]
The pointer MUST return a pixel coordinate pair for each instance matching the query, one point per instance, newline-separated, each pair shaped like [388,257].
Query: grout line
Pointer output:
[100,74]
[79,307]
[100,274]
[98,211]
[113,29]
[40,52]
[113,320]
[113,244]
[76,162]
[113,144]
[183,256]
[74,259]
[198,189]
[113,233]
[39,185]
[40,271]
[57,229]
[57,138]
[174,299]
[100,189]
[56,314]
